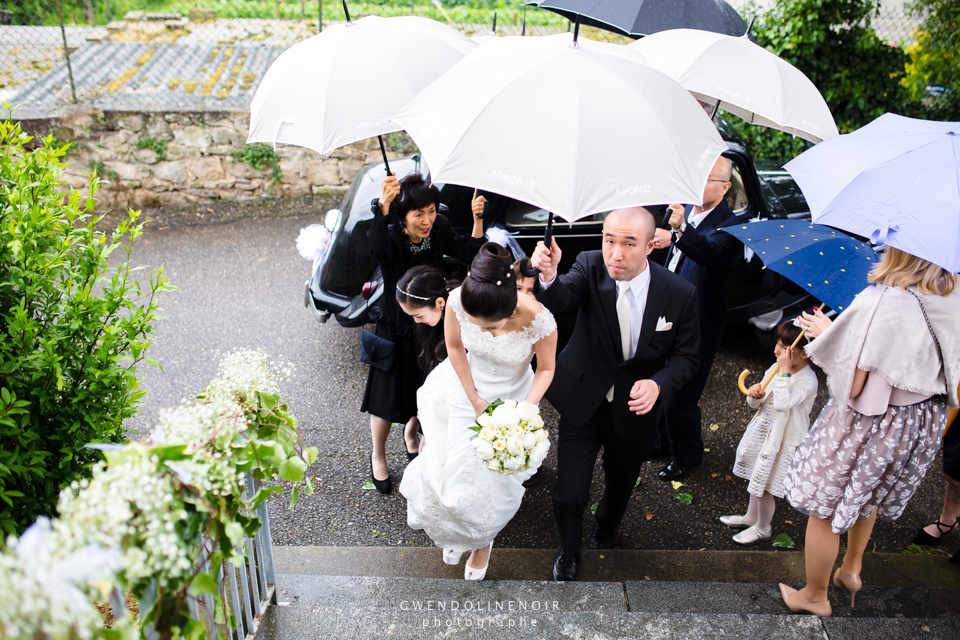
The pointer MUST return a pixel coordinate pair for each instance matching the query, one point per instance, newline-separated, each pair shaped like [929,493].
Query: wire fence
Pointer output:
[210,55]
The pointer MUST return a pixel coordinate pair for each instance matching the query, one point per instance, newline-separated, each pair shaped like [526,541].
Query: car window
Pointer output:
[737,195]
[520,214]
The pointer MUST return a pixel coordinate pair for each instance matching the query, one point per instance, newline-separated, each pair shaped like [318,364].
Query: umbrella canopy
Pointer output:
[895,181]
[828,263]
[344,84]
[742,78]
[637,18]
[574,128]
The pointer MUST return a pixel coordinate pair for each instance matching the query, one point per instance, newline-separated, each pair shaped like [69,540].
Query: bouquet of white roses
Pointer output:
[510,437]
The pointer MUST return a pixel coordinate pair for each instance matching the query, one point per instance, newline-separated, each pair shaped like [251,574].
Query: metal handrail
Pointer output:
[248,597]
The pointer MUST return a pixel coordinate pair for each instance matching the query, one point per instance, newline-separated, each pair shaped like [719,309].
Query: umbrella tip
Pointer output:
[346,11]
[750,27]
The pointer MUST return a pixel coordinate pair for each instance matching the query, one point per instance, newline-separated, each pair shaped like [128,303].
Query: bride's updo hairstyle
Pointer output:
[489,290]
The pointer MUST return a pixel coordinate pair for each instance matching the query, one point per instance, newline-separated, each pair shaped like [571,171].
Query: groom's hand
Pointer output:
[547,261]
[643,396]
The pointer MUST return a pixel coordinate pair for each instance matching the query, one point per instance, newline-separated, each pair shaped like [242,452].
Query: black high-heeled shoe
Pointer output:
[383,486]
[925,539]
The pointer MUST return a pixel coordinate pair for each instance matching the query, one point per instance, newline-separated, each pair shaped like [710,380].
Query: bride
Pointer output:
[450,493]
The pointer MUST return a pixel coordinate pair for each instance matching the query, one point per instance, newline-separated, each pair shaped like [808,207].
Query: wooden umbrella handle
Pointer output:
[766,381]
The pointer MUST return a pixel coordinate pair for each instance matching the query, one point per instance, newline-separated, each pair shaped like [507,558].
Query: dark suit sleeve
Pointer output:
[567,290]
[713,250]
[684,358]
[463,248]
[378,234]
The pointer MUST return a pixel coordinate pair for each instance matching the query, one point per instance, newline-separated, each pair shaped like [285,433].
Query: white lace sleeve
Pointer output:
[543,325]
[453,301]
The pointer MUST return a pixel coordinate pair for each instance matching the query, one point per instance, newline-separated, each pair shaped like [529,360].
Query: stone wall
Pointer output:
[199,166]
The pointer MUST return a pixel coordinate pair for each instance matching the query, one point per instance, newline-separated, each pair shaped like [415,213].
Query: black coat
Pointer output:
[708,258]
[593,360]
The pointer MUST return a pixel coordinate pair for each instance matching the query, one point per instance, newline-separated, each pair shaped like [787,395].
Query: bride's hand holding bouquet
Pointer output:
[510,437]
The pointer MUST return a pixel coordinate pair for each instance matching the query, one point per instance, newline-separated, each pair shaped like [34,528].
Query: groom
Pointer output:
[635,341]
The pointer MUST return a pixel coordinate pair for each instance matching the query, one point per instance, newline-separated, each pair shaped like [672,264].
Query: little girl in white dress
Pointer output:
[773,435]
[450,493]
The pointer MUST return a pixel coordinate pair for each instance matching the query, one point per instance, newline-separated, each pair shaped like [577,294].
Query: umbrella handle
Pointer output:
[547,241]
[763,385]
[479,215]
[766,381]
[383,149]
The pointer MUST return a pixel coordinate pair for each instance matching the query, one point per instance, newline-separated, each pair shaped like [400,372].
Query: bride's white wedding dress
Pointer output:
[450,493]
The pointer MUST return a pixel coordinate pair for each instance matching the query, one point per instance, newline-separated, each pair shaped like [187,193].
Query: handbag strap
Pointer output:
[929,326]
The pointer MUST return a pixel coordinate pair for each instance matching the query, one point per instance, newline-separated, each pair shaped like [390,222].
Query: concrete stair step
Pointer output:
[614,565]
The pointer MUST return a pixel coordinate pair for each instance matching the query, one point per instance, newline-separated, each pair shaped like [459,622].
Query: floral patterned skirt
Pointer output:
[847,467]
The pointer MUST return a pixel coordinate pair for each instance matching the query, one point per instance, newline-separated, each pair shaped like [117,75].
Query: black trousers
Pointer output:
[576,457]
[680,429]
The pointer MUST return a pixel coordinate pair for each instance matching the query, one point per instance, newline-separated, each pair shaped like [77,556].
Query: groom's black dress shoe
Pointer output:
[565,567]
[601,539]
[674,471]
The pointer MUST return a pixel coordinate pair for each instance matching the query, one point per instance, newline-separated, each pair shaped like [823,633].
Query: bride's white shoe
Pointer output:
[469,573]
[451,556]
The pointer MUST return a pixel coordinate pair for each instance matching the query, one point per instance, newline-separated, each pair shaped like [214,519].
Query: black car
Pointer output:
[346,282]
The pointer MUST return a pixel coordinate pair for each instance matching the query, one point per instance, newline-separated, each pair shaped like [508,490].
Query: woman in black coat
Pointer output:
[407,231]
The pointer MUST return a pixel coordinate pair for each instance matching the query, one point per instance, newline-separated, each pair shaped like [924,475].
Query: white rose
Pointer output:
[541,435]
[514,446]
[493,464]
[539,453]
[484,449]
[510,403]
[505,416]
[488,434]
[527,411]
[516,431]
[500,445]
[529,440]
[514,463]
[485,420]
[536,422]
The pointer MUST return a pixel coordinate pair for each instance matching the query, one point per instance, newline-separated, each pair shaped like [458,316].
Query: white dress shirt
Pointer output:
[639,288]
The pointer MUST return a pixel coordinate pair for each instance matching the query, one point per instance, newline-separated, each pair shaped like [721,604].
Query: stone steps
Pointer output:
[334,593]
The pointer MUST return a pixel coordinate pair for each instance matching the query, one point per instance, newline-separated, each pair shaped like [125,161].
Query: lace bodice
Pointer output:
[510,349]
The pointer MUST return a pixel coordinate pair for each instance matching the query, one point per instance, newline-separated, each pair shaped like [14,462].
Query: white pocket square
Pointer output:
[663,325]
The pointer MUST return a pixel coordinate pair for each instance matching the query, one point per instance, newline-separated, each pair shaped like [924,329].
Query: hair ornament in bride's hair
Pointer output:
[410,295]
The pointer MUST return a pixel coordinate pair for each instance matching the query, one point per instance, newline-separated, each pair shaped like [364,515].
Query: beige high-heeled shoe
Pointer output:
[849,581]
[822,609]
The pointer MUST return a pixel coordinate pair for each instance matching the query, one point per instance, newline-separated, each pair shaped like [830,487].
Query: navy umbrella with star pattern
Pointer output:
[828,263]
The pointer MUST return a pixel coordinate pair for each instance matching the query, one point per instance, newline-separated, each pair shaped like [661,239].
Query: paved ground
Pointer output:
[241,285]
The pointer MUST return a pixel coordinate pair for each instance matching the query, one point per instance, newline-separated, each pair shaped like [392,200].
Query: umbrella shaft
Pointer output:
[383,150]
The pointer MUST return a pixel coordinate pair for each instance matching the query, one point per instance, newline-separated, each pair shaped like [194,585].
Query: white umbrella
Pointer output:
[344,84]
[895,181]
[574,128]
[742,78]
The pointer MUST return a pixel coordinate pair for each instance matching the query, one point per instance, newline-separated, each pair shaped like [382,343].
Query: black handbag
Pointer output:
[376,351]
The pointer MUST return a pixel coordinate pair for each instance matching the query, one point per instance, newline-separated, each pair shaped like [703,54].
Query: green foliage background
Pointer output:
[73,329]
[833,43]
[934,60]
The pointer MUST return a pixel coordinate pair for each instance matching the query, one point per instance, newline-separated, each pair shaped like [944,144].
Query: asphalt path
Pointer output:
[240,283]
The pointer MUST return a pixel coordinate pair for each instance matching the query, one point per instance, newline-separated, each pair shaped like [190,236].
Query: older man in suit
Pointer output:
[635,341]
[703,255]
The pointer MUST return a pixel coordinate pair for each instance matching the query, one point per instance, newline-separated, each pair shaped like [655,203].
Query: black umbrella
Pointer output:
[637,18]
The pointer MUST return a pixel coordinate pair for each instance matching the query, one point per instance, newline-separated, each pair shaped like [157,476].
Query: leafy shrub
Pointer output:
[73,330]
[97,167]
[260,155]
[934,60]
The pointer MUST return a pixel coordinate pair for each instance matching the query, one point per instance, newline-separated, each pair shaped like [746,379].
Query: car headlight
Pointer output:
[767,321]
[332,220]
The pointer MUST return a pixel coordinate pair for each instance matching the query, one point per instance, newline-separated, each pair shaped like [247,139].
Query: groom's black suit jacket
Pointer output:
[593,358]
